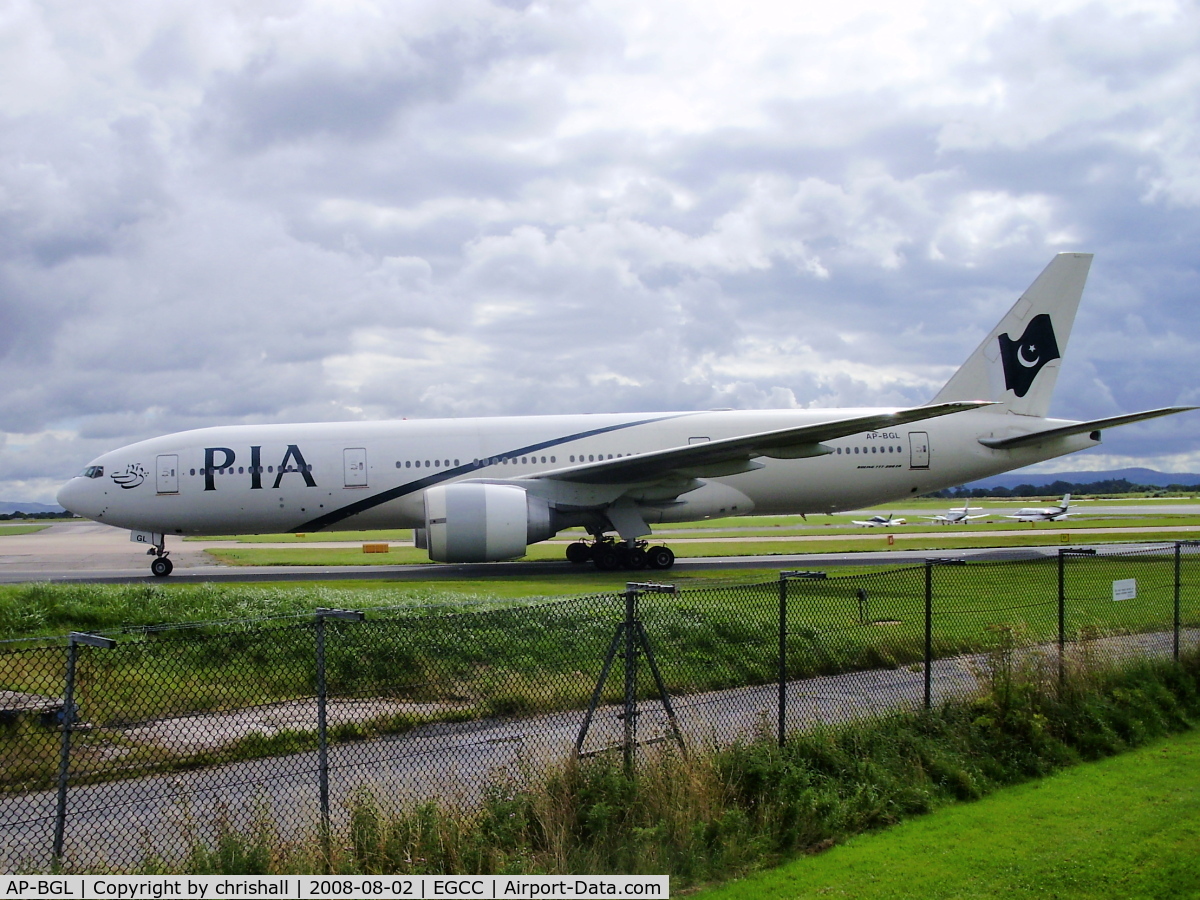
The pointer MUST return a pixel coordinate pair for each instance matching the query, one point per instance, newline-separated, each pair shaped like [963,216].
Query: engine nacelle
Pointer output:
[483,522]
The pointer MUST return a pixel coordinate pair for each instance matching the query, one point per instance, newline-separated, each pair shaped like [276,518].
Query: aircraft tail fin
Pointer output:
[1065,502]
[1017,364]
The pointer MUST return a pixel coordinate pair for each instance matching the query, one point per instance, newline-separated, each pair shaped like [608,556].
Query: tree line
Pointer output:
[1057,488]
[4,517]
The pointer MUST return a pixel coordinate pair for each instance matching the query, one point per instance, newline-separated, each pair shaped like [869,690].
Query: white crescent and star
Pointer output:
[1023,360]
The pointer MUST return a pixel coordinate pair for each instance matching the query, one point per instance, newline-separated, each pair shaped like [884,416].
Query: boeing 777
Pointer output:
[483,489]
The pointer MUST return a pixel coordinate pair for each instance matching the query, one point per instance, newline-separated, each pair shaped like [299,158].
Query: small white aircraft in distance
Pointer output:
[1044,513]
[483,489]
[958,516]
[880,521]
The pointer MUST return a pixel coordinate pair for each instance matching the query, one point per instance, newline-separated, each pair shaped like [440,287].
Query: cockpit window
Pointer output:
[92,472]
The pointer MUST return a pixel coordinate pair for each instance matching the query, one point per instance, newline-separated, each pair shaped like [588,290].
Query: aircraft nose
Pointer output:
[72,496]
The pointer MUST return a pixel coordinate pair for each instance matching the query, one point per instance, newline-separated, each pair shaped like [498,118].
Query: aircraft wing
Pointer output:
[1040,437]
[730,456]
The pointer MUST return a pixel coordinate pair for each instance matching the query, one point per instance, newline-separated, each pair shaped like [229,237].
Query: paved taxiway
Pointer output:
[88,552]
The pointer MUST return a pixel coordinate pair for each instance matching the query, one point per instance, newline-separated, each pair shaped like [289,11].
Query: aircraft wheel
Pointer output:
[660,557]
[635,558]
[606,558]
[161,567]
[579,552]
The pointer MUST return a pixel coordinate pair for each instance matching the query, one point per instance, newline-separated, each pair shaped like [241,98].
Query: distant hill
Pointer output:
[1147,477]
[7,507]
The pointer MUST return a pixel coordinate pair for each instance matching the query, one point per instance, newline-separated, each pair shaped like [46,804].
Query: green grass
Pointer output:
[21,529]
[41,609]
[1125,827]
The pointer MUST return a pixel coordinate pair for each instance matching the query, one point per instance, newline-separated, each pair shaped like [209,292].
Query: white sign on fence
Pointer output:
[1125,589]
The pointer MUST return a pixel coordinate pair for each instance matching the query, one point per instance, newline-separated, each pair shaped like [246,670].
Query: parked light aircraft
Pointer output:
[879,522]
[960,515]
[1044,513]
[483,489]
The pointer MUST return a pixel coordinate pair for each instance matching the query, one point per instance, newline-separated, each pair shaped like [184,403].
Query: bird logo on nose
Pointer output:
[134,474]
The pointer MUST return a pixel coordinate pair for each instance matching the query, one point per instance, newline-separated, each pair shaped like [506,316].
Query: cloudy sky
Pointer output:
[268,210]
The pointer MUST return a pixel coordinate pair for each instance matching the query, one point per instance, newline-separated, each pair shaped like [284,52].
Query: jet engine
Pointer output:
[483,522]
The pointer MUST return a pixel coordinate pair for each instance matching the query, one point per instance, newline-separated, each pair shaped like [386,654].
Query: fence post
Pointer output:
[322,721]
[783,582]
[1175,617]
[68,721]
[928,633]
[1063,553]
[630,715]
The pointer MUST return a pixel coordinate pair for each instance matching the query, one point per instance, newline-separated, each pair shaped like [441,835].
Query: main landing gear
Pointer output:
[609,555]
[162,565]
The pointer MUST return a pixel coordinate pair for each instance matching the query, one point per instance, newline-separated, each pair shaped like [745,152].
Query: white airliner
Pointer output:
[483,489]
[959,515]
[879,521]
[1044,513]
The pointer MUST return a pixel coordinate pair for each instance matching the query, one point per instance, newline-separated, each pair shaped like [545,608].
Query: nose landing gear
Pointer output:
[162,565]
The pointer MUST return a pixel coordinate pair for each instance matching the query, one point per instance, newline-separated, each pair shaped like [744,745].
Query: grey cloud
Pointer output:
[408,219]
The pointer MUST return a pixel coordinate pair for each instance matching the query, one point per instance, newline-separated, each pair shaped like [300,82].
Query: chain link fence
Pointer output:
[119,749]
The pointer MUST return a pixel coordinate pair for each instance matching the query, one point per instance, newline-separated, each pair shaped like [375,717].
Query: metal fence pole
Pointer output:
[68,721]
[928,633]
[783,582]
[631,598]
[1175,618]
[322,719]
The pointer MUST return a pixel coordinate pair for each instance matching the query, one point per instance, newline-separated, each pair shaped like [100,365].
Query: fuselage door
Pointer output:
[918,449]
[355,459]
[168,474]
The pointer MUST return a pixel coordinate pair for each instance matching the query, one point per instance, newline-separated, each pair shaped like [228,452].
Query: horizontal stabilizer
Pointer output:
[1040,437]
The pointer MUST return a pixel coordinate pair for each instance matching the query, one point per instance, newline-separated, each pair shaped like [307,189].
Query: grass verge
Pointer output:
[21,529]
[1059,837]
